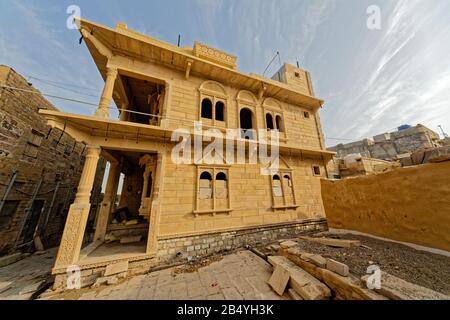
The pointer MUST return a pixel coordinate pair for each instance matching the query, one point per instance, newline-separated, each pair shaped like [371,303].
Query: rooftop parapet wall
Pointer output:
[407,204]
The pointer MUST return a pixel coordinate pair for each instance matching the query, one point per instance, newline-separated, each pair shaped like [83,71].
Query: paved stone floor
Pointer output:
[18,280]
[238,276]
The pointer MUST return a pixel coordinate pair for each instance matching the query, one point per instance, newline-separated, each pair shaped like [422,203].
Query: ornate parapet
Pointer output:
[214,55]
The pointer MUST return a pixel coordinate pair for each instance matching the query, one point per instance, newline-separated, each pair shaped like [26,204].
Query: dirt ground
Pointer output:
[420,267]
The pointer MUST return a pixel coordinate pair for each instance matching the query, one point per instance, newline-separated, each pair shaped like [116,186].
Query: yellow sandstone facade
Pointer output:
[198,208]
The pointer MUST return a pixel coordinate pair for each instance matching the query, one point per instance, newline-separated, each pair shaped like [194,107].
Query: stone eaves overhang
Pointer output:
[84,128]
[124,42]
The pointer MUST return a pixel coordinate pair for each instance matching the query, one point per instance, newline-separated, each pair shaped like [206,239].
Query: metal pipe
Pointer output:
[28,210]
[8,189]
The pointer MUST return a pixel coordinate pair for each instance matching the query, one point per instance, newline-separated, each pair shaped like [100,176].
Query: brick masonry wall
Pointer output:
[207,244]
[28,146]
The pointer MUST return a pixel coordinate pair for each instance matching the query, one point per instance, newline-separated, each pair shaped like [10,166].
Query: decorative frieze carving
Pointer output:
[214,55]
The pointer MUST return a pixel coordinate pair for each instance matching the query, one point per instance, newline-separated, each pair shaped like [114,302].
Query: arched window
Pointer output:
[205,185]
[221,186]
[246,121]
[287,180]
[206,108]
[221,176]
[276,185]
[220,108]
[269,121]
[279,122]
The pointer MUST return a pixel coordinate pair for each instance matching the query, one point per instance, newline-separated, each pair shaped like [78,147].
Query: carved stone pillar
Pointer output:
[105,100]
[108,200]
[152,243]
[124,115]
[72,239]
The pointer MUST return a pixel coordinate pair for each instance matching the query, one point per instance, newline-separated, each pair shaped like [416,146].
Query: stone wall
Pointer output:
[215,242]
[251,197]
[408,204]
[35,153]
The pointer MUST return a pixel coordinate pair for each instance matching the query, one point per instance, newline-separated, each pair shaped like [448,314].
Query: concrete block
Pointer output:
[337,267]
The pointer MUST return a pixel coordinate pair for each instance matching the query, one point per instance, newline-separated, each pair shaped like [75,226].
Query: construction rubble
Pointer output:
[308,276]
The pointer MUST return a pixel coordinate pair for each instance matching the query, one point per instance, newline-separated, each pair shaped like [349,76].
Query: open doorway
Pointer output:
[146,100]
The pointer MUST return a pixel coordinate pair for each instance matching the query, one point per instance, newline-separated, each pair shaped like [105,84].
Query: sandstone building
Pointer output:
[388,146]
[181,210]
[39,168]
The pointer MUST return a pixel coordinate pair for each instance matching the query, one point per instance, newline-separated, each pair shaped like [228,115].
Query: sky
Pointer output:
[372,80]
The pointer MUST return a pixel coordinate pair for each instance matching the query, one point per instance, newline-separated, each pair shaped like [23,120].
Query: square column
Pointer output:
[72,238]
[108,200]
[105,100]
[153,231]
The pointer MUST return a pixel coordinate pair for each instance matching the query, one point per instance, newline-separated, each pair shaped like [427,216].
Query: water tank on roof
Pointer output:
[404,127]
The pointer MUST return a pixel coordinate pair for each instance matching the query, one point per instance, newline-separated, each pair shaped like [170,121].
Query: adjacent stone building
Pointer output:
[388,146]
[39,168]
[193,207]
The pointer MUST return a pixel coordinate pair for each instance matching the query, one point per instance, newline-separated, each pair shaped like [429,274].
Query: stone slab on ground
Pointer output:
[399,289]
[31,288]
[294,295]
[307,286]
[5,285]
[236,276]
[10,259]
[337,267]
[348,288]
[279,280]
[116,268]
[334,242]
[318,260]
[288,244]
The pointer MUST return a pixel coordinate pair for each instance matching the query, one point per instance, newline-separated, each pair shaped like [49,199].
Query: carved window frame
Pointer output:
[215,97]
[274,112]
[213,170]
[281,173]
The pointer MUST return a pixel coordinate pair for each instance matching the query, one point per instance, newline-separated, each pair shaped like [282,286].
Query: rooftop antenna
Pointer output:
[443,132]
[179,39]
[298,65]
[271,61]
